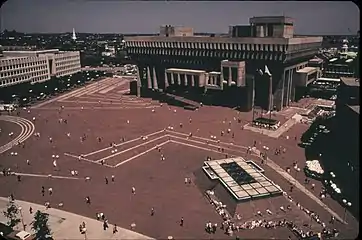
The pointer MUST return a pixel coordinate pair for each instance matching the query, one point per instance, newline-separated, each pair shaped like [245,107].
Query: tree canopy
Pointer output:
[40,226]
[12,214]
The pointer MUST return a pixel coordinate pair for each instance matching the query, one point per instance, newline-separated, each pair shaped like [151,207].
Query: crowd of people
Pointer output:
[230,224]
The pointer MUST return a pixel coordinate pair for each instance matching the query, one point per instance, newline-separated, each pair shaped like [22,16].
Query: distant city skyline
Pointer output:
[44,16]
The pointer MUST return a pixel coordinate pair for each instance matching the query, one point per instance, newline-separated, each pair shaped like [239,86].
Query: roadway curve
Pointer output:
[27,130]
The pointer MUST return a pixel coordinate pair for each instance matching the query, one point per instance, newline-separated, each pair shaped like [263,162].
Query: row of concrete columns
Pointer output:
[213,80]
[179,79]
[288,91]
[230,80]
[152,82]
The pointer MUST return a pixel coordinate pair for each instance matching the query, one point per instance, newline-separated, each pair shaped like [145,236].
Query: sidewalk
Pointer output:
[276,133]
[65,225]
[302,188]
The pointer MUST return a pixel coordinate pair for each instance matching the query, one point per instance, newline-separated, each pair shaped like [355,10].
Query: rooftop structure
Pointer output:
[353,82]
[244,181]
[267,41]
[354,108]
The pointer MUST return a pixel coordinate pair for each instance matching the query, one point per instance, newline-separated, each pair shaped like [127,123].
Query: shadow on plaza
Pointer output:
[334,159]
[193,97]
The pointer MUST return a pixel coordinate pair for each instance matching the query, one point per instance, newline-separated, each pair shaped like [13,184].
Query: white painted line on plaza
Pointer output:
[87,160]
[46,176]
[207,144]
[194,146]
[122,143]
[142,153]
[129,149]
[206,139]
[211,145]
[27,129]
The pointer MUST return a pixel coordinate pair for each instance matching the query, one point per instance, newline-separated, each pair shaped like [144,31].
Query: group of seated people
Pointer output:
[263,124]
[229,225]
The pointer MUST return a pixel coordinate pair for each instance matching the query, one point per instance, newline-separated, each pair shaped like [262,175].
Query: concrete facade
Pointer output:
[282,54]
[36,66]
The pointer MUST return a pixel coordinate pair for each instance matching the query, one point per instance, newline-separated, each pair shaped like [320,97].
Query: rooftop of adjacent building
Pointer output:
[271,19]
[29,53]
[9,57]
[32,51]
[352,82]
[355,108]
[307,70]
[338,61]
[261,30]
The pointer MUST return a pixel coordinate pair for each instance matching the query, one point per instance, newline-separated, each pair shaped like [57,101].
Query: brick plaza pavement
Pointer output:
[137,163]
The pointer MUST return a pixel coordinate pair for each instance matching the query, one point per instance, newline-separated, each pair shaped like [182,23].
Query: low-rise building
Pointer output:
[18,67]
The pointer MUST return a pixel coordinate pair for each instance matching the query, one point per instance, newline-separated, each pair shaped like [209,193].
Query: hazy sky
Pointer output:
[119,16]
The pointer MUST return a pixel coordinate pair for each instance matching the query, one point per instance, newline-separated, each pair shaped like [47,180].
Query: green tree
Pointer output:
[40,226]
[12,214]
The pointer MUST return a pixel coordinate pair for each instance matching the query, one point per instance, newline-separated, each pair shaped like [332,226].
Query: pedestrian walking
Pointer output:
[182,221]
[106,179]
[115,230]
[133,190]
[152,211]
[87,200]
[112,178]
[30,210]
[105,225]
[43,190]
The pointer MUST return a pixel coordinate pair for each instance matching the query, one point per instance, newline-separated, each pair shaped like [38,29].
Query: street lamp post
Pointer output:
[346,204]
[22,218]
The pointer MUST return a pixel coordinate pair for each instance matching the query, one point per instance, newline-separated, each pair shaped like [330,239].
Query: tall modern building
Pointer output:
[36,66]
[231,65]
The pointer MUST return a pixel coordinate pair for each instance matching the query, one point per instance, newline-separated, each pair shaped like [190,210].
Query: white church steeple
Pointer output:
[74,37]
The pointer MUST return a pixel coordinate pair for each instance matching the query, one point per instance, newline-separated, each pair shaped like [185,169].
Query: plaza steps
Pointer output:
[182,101]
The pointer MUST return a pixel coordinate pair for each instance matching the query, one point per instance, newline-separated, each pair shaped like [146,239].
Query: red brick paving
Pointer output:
[159,184]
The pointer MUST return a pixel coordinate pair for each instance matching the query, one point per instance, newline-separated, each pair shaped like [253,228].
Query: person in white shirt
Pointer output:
[133,190]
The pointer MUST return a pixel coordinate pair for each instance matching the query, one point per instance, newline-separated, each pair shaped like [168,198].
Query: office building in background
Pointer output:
[18,67]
